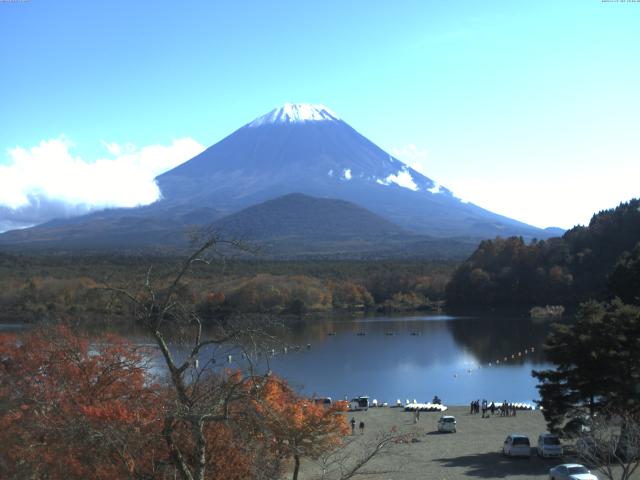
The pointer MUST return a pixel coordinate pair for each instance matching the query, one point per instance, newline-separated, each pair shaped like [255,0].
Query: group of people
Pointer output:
[505,409]
[353,426]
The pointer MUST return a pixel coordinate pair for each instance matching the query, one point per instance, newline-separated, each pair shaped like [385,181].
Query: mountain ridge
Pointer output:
[297,148]
[326,159]
[288,227]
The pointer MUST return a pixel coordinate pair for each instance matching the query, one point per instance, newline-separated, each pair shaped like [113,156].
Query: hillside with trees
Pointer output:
[598,261]
[73,287]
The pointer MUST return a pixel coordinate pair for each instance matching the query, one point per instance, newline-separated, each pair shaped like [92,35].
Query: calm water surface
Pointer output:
[410,357]
[417,357]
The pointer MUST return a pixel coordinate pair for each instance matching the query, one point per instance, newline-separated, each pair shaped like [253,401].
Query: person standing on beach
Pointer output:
[492,408]
[353,425]
[484,408]
[361,427]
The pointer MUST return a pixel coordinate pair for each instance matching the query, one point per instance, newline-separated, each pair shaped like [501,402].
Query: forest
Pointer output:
[599,261]
[63,287]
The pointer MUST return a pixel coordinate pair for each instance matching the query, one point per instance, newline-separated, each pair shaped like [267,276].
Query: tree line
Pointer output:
[599,261]
[55,288]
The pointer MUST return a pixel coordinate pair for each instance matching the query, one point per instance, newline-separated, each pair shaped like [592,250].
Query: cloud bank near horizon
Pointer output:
[536,196]
[47,181]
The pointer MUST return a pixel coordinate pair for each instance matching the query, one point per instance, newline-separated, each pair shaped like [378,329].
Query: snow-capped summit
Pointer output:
[296,113]
[307,149]
[299,149]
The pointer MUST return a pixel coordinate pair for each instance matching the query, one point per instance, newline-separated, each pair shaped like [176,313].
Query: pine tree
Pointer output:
[597,366]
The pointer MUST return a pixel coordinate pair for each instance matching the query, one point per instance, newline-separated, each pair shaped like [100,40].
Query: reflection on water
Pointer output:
[414,357]
[417,357]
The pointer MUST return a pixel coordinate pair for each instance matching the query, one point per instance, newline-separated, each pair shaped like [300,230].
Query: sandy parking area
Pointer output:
[473,452]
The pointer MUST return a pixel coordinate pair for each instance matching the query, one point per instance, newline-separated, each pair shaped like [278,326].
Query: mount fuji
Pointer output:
[309,149]
[298,148]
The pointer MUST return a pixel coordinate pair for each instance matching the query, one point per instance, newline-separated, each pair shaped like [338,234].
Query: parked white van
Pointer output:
[517,445]
[549,445]
[359,403]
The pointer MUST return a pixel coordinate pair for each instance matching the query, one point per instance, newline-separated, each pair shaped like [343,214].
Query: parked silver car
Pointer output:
[571,471]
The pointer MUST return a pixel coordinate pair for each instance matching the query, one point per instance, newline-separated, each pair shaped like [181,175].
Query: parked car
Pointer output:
[571,471]
[324,401]
[359,403]
[517,445]
[549,445]
[447,423]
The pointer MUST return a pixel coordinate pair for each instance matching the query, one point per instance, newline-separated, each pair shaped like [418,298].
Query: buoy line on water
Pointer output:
[500,361]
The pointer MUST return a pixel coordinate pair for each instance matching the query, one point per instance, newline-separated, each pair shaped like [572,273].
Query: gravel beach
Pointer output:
[473,452]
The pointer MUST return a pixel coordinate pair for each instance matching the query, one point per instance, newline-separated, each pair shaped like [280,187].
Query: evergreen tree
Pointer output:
[597,365]
[624,281]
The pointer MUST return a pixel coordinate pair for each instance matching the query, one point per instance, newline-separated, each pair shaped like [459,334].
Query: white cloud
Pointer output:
[413,156]
[435,188]
[546,201]
[346,174]
[49,172]
[403,179]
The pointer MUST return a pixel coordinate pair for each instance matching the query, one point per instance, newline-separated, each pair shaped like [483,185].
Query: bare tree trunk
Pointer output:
[176,454]
[296,468]
[201,445]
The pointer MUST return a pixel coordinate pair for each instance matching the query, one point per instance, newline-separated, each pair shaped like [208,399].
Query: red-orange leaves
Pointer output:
[69,409]
[300,426]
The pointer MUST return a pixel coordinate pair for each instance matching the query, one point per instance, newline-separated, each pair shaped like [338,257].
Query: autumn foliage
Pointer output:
[75,409]
[301,427]
[69,409]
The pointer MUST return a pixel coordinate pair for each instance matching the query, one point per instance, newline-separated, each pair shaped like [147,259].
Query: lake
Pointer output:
[417,357]
[411,357]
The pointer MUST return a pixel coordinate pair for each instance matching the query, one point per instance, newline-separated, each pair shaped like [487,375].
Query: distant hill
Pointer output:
[291,226]
[563,270]
[308,218]
[297,225]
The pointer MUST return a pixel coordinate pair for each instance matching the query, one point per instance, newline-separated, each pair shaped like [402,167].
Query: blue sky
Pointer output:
[529,109]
